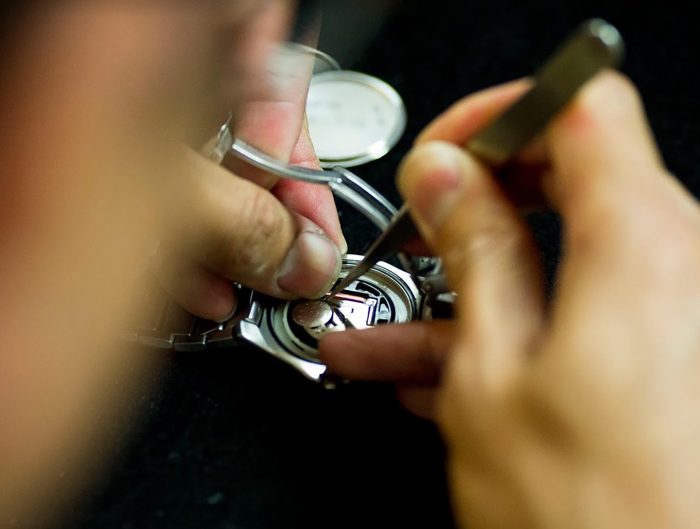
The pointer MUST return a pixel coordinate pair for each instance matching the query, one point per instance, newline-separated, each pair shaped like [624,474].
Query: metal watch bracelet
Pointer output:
[166,325]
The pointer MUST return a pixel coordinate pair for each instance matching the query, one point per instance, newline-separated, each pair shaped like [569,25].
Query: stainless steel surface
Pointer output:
[259,159]
[222,143]
[165,325]
[384,294]
[344,184]
[595,46]
[353,117]
[324,61]
[288,330]
[390,241]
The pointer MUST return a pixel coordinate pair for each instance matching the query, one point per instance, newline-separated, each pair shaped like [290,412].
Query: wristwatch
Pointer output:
[290,330]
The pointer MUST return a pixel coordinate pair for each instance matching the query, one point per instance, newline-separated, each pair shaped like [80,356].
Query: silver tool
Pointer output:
[289,330]
[595,46]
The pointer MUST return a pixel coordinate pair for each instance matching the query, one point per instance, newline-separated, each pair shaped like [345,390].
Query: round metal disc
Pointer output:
[385,294]
[353,118]
[314,313]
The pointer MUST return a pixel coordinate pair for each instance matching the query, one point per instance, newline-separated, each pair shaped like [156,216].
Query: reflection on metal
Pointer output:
[344,184]
[324,62]
[290,330]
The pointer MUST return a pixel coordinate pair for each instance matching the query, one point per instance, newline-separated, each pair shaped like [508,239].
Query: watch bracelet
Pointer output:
[163,324]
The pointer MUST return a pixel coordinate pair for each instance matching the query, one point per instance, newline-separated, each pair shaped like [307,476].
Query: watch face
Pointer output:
[353,118]
[290,330]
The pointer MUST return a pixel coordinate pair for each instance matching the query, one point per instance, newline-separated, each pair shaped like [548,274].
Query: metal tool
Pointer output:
[595,46]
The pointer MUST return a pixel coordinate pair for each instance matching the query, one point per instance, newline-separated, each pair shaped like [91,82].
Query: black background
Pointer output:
[234,439]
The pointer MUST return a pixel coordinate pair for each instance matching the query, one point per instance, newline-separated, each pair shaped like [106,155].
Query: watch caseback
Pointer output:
[353,117]
[290,330]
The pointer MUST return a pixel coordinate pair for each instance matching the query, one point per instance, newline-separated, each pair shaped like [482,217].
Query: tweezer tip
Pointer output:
[333,292]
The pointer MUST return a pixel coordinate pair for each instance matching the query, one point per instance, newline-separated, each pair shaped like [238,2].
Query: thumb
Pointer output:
[489,257]
[242,232]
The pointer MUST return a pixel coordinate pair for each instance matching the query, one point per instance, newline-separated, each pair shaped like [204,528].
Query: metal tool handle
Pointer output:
[344,184]
[595,46]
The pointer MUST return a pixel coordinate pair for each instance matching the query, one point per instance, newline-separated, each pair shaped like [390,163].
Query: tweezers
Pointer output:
[596,45]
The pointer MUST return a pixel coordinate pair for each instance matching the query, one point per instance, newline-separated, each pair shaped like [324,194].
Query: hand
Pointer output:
[580,414]
[280,237]
[99,98]
[412,356]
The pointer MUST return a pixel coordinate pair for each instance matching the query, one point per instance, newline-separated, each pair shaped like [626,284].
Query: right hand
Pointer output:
[584,413]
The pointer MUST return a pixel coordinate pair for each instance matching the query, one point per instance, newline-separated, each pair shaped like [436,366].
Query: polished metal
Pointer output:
[390,241]
[289,330]
[321,57]
[344,184]
[217,150]
[381,294]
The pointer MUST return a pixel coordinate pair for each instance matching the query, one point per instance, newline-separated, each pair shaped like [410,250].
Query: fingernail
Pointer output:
[222,305]
[228,315]
[611,90]
[432,180]
[311,266]
[343,245]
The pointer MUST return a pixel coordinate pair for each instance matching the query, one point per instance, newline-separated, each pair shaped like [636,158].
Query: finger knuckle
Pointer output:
[645,232]
[612,98]
[424,163]
[624,86]
[258,229]
[591,222]
[492,243]
[671,246]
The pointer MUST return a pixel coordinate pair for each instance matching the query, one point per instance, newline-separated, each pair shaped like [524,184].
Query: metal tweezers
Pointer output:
[595,46]
[344,184]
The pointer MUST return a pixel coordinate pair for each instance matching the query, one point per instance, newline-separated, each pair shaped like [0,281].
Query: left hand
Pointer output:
[281,237]
[99,99]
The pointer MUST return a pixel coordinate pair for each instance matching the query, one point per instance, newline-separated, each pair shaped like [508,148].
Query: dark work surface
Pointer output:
[235,439]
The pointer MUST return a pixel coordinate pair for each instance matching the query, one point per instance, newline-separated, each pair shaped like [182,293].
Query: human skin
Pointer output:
[576,413]
[287,242]
[105,105]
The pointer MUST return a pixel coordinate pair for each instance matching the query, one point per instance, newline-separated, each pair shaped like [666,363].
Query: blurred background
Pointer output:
[235,439]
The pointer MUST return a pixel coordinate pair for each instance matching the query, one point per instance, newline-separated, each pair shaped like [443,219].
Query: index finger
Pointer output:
[469,115]
[313,201]
[272,120]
